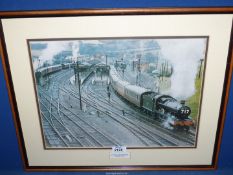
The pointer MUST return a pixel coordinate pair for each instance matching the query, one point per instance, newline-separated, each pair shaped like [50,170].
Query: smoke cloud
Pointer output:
[53,48]
[184,55]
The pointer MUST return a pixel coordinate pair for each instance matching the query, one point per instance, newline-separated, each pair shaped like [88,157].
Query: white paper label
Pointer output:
[119,152]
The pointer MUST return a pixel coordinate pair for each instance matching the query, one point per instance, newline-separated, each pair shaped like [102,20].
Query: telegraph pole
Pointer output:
[106,57]
[101,73]
[106,60]
[79,83]
[133,65]
[39,63]
[199,74]
[139,71]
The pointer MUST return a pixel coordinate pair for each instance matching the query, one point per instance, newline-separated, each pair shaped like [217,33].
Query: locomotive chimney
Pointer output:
[182,102]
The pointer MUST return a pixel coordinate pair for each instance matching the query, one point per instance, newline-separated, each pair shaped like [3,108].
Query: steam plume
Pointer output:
[184,55]
[75,50]
[53,48]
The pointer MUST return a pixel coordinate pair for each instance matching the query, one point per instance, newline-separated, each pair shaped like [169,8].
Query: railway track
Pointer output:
[53,115]
[129,112]
[142,136]
[51,135]
[139,129]
[147,132]
[67,137]
[188,139]
[158,138]
[88,135]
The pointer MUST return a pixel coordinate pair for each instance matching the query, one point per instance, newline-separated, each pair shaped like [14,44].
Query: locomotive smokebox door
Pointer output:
[184,111]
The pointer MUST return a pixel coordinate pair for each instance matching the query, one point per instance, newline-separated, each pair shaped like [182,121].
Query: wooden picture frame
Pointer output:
[19,30]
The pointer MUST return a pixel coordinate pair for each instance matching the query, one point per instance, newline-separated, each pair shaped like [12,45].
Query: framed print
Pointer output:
[118,89]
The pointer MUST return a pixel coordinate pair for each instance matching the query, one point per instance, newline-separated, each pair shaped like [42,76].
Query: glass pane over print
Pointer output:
[137,92]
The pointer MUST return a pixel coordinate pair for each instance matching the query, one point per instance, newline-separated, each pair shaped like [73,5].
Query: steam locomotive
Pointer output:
[155,104]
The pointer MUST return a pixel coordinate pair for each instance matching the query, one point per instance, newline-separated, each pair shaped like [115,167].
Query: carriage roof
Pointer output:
[44,68]
[116,77]
[137,89]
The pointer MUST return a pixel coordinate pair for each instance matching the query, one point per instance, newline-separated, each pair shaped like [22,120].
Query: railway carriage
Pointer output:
[53,69]
[135,93]
[41,73]
[117,84]
[132,93]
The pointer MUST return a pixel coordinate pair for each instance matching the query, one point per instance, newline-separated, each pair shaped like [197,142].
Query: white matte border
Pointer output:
[17,31]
